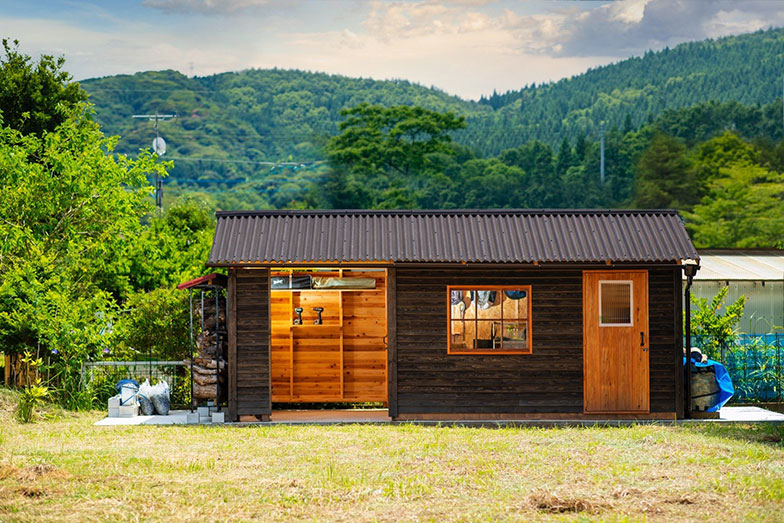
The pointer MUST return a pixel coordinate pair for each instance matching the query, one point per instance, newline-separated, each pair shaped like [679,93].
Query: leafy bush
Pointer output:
[30,399]
[34,394]
[716,330]
[156,325]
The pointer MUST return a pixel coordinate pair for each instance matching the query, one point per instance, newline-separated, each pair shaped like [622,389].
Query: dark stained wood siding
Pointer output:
[253,337]
[549,380]
[665,329]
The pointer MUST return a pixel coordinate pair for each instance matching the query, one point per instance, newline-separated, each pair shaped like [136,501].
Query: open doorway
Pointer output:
[328,337]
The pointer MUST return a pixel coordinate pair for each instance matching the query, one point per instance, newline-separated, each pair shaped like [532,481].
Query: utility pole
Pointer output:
[159,146]
[601,164]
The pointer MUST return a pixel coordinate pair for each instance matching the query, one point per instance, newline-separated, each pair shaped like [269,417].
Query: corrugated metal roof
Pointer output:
[471,236]
[749,265]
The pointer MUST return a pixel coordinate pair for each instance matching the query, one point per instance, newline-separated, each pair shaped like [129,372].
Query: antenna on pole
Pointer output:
[159,147]
[601,161]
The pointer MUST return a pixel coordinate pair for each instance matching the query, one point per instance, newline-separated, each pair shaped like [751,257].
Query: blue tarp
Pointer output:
[726,390]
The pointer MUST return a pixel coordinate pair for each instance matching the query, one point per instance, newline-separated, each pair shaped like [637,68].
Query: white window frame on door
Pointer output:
[631,304]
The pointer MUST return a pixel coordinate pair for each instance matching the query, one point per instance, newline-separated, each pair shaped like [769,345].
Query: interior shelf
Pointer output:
[313,325]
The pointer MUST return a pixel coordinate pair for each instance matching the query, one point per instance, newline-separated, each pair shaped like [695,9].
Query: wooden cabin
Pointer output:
[489,314]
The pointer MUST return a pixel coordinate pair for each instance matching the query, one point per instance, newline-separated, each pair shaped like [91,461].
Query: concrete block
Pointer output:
[114,401]
[114,412]
[128,411]
[203,411]
[218,417]
[192,418]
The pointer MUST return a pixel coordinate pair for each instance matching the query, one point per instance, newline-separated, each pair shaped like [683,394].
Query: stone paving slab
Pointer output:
[175,417]
[749,414]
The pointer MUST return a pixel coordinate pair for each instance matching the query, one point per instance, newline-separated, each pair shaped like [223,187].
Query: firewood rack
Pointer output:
[216,285]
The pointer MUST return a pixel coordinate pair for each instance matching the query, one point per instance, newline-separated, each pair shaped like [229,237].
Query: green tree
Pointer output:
[743,208]
[155,325]
[565,157]
[666,177]
[743,205]
[397,139]
[36,97]
[543,185]
[70,210]
[172,248]
[493,184]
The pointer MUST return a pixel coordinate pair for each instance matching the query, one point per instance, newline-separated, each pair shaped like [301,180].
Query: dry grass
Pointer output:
[66,469]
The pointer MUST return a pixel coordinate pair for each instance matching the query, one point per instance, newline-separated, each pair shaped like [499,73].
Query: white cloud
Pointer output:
[631,11]
[466,55]
[138,47]
[458,45]
[634,26]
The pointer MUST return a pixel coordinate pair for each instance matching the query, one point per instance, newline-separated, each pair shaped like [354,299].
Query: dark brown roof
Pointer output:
[471,236]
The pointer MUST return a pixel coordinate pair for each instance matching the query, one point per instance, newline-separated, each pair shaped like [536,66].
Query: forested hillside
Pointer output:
[713,162]
[745,69]
[227,124]
[697,128]
[279,115]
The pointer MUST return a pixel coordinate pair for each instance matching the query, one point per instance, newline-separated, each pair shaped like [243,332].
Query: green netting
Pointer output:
[754,361]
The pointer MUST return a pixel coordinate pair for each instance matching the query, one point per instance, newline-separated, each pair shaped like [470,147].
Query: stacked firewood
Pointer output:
[204,364]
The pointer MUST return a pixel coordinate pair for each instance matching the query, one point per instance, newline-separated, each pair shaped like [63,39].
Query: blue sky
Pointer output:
[466,47]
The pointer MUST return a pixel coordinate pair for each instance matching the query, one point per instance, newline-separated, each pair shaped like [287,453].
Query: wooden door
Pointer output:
[615,342]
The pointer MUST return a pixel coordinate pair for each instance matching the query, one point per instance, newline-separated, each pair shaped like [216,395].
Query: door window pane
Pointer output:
[615,303]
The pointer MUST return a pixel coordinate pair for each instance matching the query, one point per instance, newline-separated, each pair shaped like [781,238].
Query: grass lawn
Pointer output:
[63,468]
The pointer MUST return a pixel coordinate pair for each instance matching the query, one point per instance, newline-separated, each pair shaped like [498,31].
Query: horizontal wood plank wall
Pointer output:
[343,360]
[253,337]
[664,327]
[548,381]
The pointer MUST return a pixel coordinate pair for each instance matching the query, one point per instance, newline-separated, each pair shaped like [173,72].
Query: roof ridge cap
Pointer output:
[439,212]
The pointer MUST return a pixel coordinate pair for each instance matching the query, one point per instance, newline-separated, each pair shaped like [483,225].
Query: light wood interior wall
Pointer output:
[343,360]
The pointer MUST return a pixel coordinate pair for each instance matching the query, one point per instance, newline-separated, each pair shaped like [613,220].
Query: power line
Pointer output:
[235,181]
[255,162]
[249,133]
[122,90]
[303,164]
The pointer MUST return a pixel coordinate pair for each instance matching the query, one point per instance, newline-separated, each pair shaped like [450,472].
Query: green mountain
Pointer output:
[228,125]
[746,68]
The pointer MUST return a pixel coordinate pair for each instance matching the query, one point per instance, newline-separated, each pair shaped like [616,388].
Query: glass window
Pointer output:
[615,303]
[489,319]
